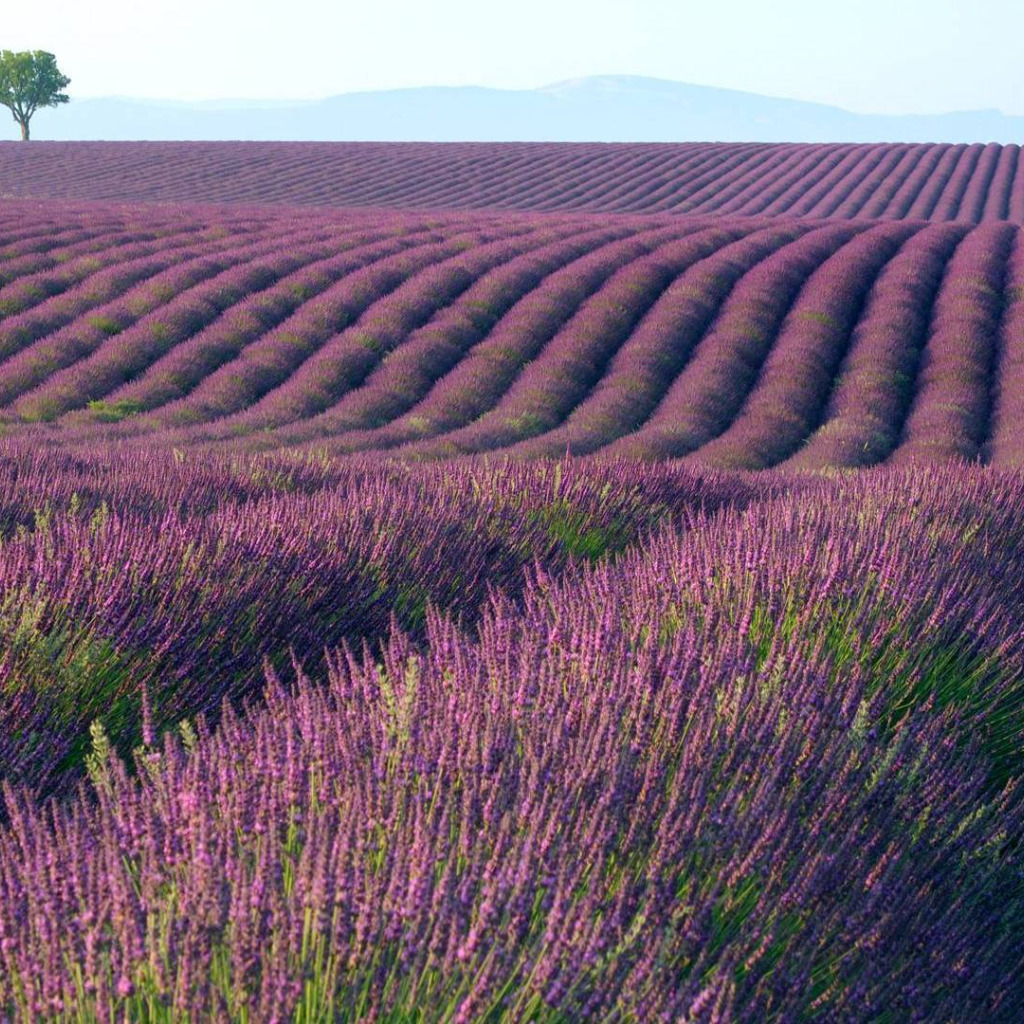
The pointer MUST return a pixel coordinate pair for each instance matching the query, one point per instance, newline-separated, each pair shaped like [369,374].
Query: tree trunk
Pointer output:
[24,130]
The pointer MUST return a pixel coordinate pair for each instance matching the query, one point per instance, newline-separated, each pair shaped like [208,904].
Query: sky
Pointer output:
[872,56]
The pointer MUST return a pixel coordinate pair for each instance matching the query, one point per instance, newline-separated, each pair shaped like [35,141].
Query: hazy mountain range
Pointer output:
[610,108]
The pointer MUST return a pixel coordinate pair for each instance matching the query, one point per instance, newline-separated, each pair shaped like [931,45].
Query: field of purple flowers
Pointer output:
[596,597]
[299,739]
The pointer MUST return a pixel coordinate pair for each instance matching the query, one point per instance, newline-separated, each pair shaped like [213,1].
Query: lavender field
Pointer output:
[567,595]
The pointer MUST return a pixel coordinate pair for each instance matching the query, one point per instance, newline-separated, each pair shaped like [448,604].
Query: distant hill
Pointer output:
[607,108]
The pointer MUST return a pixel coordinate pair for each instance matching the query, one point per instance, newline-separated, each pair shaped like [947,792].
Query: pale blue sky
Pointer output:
[891,56]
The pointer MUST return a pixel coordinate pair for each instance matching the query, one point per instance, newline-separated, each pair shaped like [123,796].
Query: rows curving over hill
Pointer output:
[739,343]
[968,183]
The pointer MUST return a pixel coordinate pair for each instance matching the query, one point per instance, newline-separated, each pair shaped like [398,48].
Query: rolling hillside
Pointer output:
[335,689]
[738,342]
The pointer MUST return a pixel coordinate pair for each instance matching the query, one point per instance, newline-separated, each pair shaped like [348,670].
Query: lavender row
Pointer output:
[928,197]
[185,365]
[851,184]
[999,194]
[562,373]
[477,382]
[655,185]
[792,388]
[979,190]
[854,199]
[906,195]
[885,192]
[192,310]
[26,279]
[34,354]
[723,187]
[133,263]
[873,386]
[952,407]
[702,401]
[1006,437]
[323,325]
[830,201]
[34,244]
[815,172]
[267,330]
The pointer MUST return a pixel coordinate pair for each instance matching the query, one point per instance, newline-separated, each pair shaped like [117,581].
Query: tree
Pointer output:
[28,81]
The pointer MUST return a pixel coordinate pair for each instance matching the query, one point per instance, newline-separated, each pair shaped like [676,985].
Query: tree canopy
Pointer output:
[30,80]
